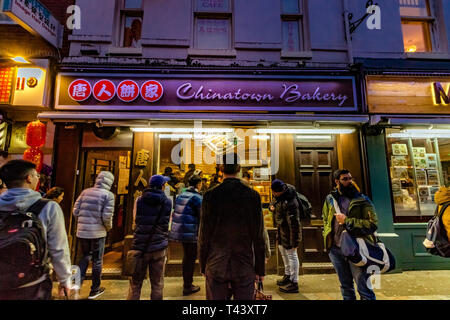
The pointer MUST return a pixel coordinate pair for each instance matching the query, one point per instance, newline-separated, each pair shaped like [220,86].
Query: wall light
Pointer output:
[183,130]
[20,60]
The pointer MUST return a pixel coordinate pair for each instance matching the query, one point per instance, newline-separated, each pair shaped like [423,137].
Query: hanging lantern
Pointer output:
[35,134]
[36,156]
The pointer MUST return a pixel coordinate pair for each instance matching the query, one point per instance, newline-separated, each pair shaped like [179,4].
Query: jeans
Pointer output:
[92,249]
[156,263]
[189,257]
[347,272]
[291,263]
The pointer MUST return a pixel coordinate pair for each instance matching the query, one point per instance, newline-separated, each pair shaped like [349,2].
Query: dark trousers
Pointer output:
[92,249]
[347,272]
[156,262]
[40,291]
[240,288]
[189,257]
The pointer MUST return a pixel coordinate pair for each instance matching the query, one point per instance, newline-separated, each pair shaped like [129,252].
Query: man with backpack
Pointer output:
[346,209]
[29,222]
[287,211]
[437,241]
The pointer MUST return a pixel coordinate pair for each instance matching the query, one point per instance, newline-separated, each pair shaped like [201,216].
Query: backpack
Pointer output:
[436,241]
[306,208]
[23,249]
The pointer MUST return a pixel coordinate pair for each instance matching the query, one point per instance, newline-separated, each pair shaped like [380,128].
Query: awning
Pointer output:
[122,118]
[409,119]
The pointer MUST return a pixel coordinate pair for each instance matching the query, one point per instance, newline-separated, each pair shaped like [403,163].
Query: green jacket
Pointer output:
[361,220]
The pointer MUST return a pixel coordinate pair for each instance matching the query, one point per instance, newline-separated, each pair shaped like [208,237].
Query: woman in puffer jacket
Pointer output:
[185,222]
[441,197]
[94,209]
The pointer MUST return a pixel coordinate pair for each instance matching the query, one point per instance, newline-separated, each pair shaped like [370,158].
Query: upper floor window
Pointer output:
[131,22]
[417,23]
[212,24]
[292,27]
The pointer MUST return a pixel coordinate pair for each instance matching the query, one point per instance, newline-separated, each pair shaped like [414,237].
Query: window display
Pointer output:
[419,165]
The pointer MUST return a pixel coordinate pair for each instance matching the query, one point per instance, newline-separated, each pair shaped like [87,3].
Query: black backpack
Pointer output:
[306,208]
[23,249]
[437,234]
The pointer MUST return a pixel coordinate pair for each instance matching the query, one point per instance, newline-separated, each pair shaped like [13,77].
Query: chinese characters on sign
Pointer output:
[140,179]
[6,80]
[127,90]
[152,91]
[104,90]
[142,157]
[80,90]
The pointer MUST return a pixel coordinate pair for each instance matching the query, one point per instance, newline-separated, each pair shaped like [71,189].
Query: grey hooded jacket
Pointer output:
[52,218]
[95,208]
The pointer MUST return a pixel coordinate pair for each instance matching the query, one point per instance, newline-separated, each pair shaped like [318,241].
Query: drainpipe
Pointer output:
[347,32]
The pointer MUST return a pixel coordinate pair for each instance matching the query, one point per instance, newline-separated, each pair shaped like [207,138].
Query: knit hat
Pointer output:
[278,185]
[157,181]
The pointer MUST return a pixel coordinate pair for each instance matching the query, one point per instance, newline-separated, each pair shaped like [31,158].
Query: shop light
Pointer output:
[317,137]
[20,60]
[419,135]
[265,137]
[183,130]
[306,131]
[175,136]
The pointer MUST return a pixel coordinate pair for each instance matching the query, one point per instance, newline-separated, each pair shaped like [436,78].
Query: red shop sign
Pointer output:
[127,90]
[151,91]
[104,90]
[80,90]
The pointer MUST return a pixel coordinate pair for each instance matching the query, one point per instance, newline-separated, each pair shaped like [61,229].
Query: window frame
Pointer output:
[300,18]
[217,15]
[429,22]
[123,14]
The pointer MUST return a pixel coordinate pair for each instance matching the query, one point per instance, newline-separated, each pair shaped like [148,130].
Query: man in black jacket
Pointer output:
[231,242]
[287,219]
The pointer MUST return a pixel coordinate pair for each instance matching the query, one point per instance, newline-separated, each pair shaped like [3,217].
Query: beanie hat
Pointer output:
[157,181]
[278,185]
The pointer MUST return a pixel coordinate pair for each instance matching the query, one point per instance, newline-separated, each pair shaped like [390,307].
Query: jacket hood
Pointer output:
[442,196]
[153,197]
[105,180]
[18,199]
[289,194]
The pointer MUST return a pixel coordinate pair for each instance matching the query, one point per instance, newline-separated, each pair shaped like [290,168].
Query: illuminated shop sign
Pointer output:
[177,93]
[36,18]
[6,82]
[440,95]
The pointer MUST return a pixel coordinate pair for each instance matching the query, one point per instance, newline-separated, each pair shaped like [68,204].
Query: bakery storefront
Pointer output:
[295,128]
[412,114]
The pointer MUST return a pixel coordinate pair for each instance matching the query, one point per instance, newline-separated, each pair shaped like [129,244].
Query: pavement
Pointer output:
[407,285]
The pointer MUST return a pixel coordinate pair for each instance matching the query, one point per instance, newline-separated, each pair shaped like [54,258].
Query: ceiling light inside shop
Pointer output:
[315,137]
[307,131]
[183,130]
[421,134]
[175,136]
[265,137]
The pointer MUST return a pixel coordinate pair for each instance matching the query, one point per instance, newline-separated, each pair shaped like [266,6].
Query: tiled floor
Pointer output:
[410,285]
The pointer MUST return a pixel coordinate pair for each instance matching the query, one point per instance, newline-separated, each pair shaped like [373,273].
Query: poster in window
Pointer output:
[419,152]
[399,149]
[399,161]
[433,177]
[420,163]
[400,173]
[396,187]
[423,194]
[421,177]
[431,161]
[122,185]
[433,191]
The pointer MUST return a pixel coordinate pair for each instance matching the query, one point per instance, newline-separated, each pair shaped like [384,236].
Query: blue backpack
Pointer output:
[438,243]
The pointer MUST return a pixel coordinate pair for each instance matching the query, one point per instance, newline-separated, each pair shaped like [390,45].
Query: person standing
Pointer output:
[94,210]
[231,241]
[152,212]
[185,222]
[189,173]
[56,194]
[356,214]
[442,198]
[21,179]
[287,218]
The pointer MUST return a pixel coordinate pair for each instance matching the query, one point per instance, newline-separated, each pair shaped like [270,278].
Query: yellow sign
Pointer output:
[29,89]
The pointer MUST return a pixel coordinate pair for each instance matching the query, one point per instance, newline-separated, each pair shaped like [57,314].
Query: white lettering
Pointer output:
[74,21]
[374,21]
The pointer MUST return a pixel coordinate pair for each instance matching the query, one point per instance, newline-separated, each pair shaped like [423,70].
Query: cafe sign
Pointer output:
[209,94]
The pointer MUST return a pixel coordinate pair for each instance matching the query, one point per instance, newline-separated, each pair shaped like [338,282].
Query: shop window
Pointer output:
[417,23]
[419,164]
[292,17]
[131,21]
[212,24]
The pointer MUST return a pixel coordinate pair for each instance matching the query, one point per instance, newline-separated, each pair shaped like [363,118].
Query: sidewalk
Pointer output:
[409,285]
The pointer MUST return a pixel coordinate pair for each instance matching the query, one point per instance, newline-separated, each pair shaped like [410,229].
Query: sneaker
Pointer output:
[284,281]
[292,287]
[191,290]
[95,294]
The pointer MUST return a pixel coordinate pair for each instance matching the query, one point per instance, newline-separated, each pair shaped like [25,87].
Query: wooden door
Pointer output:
[315,166]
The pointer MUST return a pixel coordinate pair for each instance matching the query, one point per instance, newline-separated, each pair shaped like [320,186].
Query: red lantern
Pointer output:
[36,156]
[35,134]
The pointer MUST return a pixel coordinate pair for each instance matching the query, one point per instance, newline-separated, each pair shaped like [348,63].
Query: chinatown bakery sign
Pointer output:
[79,92]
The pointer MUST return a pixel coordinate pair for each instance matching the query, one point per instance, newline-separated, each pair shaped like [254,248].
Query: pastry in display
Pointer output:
[399,161]
[400,173]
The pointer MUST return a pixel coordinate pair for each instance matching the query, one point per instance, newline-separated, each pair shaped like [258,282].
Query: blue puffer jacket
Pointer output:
[147,209]
[186,216]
